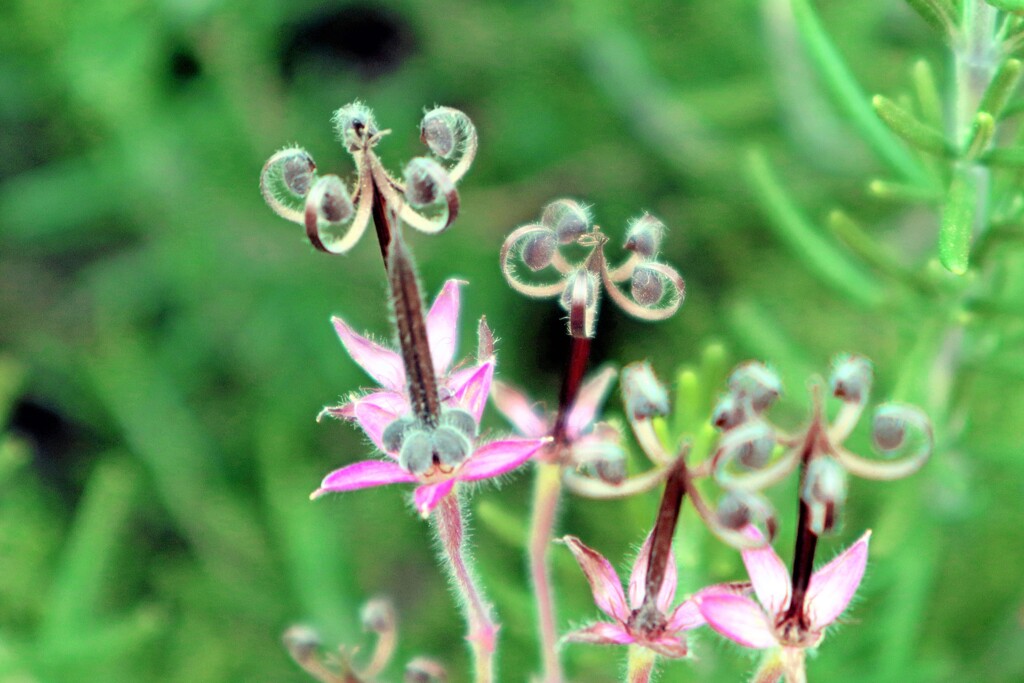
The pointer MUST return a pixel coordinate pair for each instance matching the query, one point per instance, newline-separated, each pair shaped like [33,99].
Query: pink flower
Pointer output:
[769,624]
[659,630]
[461,391]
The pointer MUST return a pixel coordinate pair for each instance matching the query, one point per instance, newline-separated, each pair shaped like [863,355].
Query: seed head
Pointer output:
[644,236]
[539,249]
[567,218]
[757,382]
[354,125]
[647,286]
[851,378]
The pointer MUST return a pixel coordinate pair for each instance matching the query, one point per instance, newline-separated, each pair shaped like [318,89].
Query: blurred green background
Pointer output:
[165,345]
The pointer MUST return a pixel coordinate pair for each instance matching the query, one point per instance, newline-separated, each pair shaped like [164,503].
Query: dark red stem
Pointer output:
[381,221]
[665,530]
[579,354]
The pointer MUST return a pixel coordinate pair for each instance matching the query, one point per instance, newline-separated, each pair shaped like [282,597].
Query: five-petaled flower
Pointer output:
[463,395]
[660,629]
[773,624]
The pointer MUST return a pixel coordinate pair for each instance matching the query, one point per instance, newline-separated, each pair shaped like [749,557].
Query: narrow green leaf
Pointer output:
[1001,88]
[848,94]
[914,132]
[806,241]
[937,13]
[901,192]
[980,137]
[850,233]
[1007,5]
[958,221]
[927,92]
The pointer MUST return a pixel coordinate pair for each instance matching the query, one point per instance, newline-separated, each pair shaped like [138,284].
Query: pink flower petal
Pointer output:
[604,582]
[739,619]
[832,587]
[589,401]
[374,419]
[346,411]
[443,326]
[670,646]
[768,573]
[639,575]
[687,615]
[428,496]
[471,389]
[499,457]
[383,365]
[393,402]
[363,475]
[518,410]
[601,633]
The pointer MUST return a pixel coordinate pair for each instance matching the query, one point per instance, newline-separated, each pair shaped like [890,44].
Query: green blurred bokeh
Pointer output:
[166,345]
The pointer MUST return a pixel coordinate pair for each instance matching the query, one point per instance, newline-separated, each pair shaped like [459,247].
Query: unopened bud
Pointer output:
[461,420]
[425,181]
[538,249]
[378,616]
[851,378]
[644,236]
[643,394]
[824,493]
[888,428]
[302,643]
[417,454]
[450,446]
[423,670]
[438,131]
[394,434]
[757,382]
[728,413]
[331,200]
[353,124]
[567,218]
[297,172]
[647,286]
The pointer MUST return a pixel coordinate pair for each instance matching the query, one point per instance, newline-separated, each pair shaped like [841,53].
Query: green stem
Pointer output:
[547,492]
[640,668]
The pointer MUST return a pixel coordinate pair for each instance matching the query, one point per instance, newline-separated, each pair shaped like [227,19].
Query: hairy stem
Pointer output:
[482,629]
[381,221]
[640,668]
[664,531]
[806,540]
[547,491]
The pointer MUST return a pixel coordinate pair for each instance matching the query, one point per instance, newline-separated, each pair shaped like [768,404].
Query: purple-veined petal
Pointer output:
[470,389]
[499,457]
[374,419]
[428,496]
[601,633]
[604,582]
[384,365]
[363,475]
[672,646]
[739,619]
[518,410]
[639,574]
[687,615]
[768,573]
[588,402]
[443,326]
[832,587]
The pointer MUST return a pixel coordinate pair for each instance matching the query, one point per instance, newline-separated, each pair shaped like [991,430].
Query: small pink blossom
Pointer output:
[463,389]
[660,630]
[769,624]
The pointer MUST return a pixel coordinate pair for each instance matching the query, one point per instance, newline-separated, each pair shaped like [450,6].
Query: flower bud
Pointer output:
[378,616]
[353,124]
[425,181]
[438,131]
[394,434]
[567,218]
[644,236]
[643,394]
[297,172]
[330,198]
[461,420]
[647,286]
[728,413]
[450,446]
[888,428]
[423,670]
[417,453]
[302,643]
[538,249]
[757,382]
[851,378]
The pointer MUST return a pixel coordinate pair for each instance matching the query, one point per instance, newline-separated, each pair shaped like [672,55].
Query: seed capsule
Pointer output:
[851,378]
[888,429]
[567,218]
[354,124]
[647,286]
[643,394]
[461,420]
[297,173]
[728,413]
[417,453]
[423,181]
[644,236]
[539,249]
[449,445]
[757,382]
[330,198]
[438,132]
[394,433]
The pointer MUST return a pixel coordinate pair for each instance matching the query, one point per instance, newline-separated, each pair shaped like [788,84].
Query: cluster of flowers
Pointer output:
[425,415]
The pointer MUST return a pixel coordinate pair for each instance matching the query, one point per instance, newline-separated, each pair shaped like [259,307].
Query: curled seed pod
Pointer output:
[297,172]
[423,670]
[354,124]
[302,643]
[757,382]
[567,218]
[439,131]
[538,249]
[754,454]
[732,511]
[642,393]
[461,420]
[425,182]
[449,445]
[824,492]
[646,286]
[644,236]
[611,470]
[378,616]
[851,378]
[417,453]
[728,413]
[394,433]
[888,428]
[330,199]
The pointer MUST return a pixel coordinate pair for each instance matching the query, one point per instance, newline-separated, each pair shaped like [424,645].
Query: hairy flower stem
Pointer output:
[806,540]
[449,525]
[381,221]
[770,670]
[664,531]
[579,355]
[412,335]
[547,491]
[640,667]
